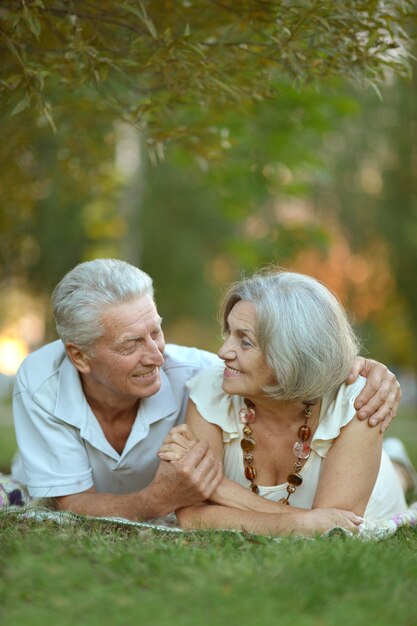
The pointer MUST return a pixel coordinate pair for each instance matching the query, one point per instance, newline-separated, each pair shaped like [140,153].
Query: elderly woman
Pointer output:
[281,418]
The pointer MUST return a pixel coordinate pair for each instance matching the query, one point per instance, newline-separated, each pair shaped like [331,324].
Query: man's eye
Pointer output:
[128,350]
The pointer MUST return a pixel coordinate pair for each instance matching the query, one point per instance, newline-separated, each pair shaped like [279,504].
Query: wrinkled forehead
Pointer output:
[243,316]
[138,313]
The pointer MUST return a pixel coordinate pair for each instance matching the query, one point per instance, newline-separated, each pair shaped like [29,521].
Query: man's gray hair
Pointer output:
[302,330]
[81,296]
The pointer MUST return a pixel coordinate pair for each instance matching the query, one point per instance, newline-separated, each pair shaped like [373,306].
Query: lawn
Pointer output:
[95,573]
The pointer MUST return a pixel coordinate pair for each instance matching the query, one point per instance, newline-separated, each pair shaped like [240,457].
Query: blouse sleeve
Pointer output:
[337,411]
[213,404]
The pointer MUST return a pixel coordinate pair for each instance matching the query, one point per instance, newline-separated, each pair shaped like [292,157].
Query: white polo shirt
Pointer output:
[62,448]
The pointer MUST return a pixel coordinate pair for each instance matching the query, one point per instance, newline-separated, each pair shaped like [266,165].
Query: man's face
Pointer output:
[125,361]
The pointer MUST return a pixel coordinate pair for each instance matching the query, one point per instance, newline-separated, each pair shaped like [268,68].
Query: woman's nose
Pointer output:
[227,351]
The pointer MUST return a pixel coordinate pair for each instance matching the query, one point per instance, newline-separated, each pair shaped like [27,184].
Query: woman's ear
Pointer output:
[78,357]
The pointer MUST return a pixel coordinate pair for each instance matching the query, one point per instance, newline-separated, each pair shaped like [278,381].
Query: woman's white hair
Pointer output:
[81,296]
[302,330]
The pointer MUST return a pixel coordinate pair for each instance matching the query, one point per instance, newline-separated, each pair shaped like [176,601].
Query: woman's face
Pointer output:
[246,371]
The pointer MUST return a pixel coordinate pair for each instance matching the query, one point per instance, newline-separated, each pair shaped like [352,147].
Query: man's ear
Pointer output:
[78,357]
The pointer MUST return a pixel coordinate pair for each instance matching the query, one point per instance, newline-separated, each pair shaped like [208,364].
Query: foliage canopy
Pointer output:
[151,61]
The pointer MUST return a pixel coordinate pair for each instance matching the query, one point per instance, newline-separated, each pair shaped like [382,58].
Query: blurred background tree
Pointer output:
[200,139]
[374,196]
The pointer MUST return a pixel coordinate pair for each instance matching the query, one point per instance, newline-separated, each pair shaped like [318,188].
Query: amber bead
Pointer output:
[247,430]
[304,432]
[254,488]
[295,479]
[247,443]
[250,472]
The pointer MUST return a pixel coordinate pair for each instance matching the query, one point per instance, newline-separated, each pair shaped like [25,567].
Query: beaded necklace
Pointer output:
[301,448]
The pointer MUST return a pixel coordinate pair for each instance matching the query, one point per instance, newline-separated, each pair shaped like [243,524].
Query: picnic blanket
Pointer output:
[14,500]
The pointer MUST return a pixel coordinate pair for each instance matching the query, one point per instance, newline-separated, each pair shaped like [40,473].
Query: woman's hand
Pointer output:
[378,402]
[322,520]
[177,443]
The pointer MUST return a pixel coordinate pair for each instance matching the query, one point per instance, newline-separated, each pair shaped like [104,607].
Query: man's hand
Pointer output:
[381,396]
[177,443]
[187,481]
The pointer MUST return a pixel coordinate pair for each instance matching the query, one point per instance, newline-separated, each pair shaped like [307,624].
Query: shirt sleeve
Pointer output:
[213,404]
[337,410]
[52,459]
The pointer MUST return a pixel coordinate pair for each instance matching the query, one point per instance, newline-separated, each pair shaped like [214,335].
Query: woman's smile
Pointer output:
[231,371]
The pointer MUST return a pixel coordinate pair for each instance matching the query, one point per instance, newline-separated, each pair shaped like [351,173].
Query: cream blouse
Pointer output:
[336,411]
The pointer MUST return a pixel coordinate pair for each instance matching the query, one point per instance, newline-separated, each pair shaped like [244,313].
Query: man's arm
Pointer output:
[55,462]
[176,484]
[379,400]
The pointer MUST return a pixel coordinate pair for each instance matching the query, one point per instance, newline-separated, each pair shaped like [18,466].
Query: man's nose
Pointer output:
[152,353]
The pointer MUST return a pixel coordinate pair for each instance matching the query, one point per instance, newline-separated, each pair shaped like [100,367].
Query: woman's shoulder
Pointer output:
[337,410]
[345,395]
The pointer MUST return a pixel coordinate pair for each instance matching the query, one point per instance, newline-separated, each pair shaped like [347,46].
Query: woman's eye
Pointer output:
[245,343]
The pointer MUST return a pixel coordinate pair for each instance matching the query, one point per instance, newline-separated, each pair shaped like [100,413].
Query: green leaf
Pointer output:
[376,89]
[34,25]
[13,81]
[373,39]
[198,49]
[142,14]
[46,111]
[21,105]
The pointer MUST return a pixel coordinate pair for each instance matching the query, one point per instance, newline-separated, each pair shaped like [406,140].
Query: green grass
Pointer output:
[95,573]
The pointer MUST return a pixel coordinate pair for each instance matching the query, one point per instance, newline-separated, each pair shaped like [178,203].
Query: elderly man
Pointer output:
[92,409]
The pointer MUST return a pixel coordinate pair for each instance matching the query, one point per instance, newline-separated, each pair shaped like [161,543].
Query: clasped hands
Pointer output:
[179,441]
[188,473]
